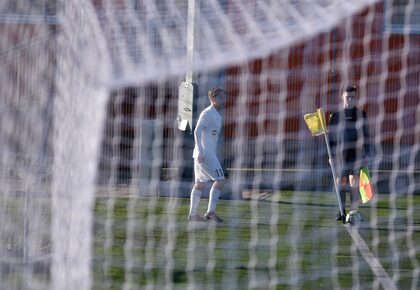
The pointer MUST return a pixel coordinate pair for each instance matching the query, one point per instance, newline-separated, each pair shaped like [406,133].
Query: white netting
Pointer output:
[96,177]
[148,39]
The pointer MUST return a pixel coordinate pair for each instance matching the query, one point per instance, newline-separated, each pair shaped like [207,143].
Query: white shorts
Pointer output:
[209,170]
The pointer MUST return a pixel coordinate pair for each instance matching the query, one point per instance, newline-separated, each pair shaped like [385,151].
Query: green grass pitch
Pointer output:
[289,239]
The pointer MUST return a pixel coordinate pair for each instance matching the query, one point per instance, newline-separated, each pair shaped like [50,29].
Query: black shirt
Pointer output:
[349,135]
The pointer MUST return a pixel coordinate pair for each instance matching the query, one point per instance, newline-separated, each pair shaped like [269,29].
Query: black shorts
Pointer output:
[350,162]
[349,168]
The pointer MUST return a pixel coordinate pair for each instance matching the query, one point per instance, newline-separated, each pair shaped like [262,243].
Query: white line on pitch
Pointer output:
[373,262]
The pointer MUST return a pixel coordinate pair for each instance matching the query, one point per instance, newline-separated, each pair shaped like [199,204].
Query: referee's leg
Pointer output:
[355,194]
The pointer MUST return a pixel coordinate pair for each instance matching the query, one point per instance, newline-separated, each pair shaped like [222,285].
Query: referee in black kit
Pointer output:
[349,140]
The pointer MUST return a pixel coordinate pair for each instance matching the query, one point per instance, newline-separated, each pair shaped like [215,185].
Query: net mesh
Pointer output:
[96,177]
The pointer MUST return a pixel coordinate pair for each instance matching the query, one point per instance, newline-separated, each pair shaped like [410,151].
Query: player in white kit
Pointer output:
[206,164]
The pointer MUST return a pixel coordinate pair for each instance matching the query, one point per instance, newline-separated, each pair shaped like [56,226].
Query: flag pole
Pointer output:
[317,125]
[337,192]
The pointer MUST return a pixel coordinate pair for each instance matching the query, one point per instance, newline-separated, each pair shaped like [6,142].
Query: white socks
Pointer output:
[194,201]
[213,198]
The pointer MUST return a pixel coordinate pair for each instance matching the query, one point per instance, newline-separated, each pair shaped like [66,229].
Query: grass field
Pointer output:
[289,240]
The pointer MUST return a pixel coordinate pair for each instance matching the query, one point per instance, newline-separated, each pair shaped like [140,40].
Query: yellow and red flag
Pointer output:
[365,185]
[316,122]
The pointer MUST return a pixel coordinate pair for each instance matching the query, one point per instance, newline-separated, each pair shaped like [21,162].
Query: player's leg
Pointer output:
[215,192]
[215,171]
[214,196]
[195,197]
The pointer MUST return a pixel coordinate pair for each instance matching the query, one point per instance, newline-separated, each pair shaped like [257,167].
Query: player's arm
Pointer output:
[198,136]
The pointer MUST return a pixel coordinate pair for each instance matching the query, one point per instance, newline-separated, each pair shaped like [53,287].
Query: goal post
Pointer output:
[98,105]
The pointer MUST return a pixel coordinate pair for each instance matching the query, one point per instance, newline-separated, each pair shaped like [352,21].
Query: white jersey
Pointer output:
[207,133]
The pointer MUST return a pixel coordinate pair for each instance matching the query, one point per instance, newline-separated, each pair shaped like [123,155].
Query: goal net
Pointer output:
[99,101]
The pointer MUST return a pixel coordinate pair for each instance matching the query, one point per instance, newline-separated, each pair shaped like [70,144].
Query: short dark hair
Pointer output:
[351,88]
[214,92]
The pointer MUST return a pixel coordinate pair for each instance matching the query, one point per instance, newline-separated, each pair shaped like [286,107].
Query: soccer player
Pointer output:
[206,164]
[350,145]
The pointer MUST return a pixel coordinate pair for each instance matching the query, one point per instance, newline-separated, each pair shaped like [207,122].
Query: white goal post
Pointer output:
[98,100]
